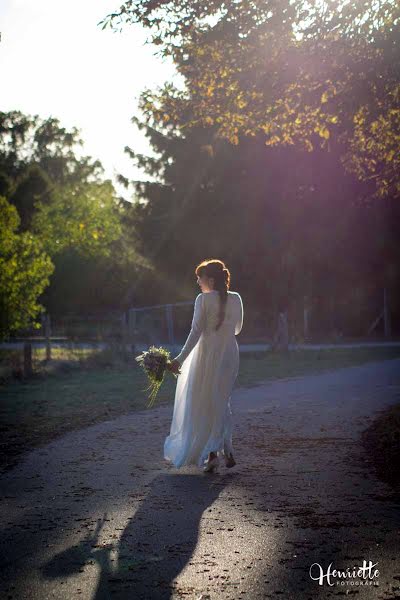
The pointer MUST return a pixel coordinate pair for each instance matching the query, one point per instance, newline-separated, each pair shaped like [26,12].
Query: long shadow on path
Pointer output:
[155,545]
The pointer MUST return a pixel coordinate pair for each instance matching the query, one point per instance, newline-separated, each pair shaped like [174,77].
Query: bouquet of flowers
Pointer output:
[154,361]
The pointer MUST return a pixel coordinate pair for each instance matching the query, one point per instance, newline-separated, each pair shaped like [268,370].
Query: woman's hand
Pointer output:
[174,366]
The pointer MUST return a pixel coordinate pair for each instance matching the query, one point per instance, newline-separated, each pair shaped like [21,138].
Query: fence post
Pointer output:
[132,327]
[47,334]
[281,338]
[386,313]
[306,319]
[124,331]
[27,359]
[170,324]
[332,320]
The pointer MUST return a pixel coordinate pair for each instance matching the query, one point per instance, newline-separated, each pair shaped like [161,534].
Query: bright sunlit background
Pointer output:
[56,61]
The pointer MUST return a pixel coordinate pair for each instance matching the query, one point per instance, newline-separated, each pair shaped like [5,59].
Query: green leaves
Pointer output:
[24,272]
[81,217]
[296,68]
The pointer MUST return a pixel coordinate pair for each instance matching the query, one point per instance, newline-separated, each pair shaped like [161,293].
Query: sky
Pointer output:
[56,61]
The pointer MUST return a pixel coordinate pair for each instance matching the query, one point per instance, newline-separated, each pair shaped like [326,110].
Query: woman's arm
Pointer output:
[239,318]
[198,324]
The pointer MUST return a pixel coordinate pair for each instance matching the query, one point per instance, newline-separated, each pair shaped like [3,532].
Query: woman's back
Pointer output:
[233,319]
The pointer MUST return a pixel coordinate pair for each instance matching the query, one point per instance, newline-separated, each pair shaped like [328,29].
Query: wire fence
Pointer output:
[358,315]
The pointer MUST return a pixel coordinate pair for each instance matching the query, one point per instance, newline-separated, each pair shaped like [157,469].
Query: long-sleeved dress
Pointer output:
[202,415]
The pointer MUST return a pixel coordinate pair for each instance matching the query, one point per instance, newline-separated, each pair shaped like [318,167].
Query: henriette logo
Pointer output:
[357,576]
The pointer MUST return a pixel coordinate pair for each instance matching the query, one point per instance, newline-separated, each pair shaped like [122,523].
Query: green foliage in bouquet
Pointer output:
[154,361]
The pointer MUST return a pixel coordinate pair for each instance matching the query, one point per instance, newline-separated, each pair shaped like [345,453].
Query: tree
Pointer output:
[25,269]
[82,216]
[30,185]
[299,73]
[63,199]
[27,140]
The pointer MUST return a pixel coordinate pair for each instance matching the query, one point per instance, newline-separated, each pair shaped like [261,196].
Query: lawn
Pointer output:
[92,388]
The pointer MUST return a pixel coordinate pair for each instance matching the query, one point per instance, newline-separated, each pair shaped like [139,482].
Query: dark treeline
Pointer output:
[288,223]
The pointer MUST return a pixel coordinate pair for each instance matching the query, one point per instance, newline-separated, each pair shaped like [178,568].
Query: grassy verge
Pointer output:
[256,367]
[71,394]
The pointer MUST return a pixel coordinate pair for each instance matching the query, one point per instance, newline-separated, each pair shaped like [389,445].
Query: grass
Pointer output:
[257,367]
[93,387]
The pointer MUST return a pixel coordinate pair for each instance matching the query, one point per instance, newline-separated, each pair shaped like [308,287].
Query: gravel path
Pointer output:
[98,513]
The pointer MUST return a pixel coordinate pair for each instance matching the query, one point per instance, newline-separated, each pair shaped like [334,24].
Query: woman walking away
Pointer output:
[208,365]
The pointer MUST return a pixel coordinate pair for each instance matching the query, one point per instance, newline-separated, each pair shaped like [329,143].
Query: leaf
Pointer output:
[324,132]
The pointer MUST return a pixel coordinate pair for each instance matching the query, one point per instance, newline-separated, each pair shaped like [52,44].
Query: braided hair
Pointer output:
[217,269]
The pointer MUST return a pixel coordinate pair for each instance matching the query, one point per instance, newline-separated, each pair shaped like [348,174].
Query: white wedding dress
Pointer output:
[202,416]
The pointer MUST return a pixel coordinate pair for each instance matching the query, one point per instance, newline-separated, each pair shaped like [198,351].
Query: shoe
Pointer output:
[229,460]
[210,465]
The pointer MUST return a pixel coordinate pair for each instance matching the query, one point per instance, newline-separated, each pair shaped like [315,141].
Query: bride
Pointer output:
[208,364]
